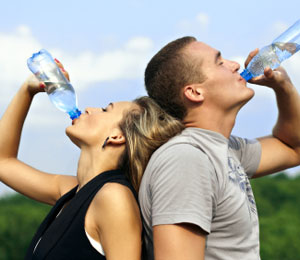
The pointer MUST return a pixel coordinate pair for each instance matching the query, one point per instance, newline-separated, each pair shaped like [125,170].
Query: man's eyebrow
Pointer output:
[218,55]
[111,104]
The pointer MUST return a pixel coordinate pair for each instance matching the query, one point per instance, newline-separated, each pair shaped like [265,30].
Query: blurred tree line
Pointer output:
[278,203]
[19,219]
[277,199]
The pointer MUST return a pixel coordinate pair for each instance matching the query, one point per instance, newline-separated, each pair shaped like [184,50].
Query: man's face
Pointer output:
[224,88]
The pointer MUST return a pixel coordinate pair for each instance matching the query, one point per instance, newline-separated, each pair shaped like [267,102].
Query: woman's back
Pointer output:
[62,235]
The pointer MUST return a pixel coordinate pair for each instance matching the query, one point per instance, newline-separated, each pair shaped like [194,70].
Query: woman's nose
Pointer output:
[89,110]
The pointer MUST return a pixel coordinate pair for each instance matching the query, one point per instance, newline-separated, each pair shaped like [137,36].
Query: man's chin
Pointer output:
[247,98]
[249,95]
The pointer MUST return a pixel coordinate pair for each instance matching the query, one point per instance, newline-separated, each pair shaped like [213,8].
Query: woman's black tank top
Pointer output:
[63,236]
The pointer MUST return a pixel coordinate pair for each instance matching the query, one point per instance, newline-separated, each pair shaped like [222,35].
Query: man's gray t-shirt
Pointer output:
[201,177]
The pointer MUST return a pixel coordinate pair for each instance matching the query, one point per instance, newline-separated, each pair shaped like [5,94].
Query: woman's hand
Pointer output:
[38,185]
[34,86]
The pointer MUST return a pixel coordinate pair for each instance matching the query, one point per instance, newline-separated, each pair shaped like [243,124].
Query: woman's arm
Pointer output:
[116,215]
[33,183]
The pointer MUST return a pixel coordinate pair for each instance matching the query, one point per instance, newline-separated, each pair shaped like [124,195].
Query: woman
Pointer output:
[96,215]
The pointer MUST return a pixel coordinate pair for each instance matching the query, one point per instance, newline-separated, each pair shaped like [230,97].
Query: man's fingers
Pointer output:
[268,73]
[250,56]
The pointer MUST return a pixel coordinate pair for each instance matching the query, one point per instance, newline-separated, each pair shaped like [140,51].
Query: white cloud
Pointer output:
[85,68]
[203,20]
[126,62]
[140,44]
[292,66]
[199,23]
[279,27]
[15,48]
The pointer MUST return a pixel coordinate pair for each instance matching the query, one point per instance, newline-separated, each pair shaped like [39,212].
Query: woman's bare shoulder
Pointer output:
[116,199]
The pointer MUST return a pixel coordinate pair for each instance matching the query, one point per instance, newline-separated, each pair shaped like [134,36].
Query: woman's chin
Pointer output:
[72,137]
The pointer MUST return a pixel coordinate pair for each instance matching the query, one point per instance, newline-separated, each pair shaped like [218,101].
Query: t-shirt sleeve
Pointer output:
[183,187]
[248,151]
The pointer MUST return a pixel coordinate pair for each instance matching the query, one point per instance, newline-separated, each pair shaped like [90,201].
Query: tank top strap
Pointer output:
[49,219]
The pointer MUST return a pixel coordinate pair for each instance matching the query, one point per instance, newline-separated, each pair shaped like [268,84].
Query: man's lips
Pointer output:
[242,79]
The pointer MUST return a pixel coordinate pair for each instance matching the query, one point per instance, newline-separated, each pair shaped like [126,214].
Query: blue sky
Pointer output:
[105,46]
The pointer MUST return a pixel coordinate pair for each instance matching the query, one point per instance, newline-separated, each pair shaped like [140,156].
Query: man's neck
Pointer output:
[222,123]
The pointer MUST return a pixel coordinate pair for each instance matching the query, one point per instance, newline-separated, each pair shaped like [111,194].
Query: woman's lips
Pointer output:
[73,121]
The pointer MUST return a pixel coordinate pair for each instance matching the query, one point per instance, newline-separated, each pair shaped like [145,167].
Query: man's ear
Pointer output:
[194,93]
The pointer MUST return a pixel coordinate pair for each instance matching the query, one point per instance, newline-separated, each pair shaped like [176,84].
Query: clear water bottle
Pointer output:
[283,47]
[58,88]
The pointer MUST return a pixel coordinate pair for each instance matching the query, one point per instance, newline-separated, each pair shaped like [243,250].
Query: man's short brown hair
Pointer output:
[168,72]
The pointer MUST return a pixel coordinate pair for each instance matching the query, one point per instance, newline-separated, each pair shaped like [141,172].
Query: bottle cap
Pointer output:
[74,113]
[246,74]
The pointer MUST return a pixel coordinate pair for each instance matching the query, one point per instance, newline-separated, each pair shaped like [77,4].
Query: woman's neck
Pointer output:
[92,162]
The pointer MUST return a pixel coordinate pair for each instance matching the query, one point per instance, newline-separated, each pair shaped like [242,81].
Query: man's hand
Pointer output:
[281,150]
[275,79]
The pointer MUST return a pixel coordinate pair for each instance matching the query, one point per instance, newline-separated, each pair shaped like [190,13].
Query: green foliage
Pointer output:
[277,200]
[19,219]
[278,204]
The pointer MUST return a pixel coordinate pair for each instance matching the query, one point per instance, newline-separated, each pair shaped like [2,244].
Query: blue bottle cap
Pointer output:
[247,75]
[74,113]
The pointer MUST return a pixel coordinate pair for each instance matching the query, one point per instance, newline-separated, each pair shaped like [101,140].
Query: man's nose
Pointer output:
[235,66]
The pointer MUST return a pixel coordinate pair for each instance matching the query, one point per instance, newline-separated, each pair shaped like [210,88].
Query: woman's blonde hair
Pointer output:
[145,129]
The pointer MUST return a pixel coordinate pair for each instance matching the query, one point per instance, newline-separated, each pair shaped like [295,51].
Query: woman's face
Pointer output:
[96,124]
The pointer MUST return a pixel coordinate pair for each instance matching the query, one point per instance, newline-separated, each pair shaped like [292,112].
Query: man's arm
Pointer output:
[178,241]
[183,198]
[281,150]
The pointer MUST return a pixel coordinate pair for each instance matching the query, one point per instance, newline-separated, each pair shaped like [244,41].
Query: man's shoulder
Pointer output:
[239,143]
[182,142]
[180,152]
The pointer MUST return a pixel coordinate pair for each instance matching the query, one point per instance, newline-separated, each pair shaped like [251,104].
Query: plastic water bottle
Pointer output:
[58,88]
[283,47]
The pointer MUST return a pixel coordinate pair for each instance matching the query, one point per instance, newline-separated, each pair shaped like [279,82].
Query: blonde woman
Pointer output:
[95,213]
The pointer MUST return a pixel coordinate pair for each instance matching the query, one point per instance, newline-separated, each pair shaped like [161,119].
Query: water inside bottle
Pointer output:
[285,50]
[62,95]
[272,56]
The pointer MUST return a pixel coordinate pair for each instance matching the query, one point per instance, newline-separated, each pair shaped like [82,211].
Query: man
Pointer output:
[195,195]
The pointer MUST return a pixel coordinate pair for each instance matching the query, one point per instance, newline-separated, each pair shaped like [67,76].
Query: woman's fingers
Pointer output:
[62,69]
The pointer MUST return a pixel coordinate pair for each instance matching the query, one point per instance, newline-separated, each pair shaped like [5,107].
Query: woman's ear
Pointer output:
[116,138]
[194,93]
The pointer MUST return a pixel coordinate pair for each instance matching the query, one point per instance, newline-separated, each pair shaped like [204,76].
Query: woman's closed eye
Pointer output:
[104,109]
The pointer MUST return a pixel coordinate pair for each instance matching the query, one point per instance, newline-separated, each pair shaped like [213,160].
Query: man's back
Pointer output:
[199,177]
